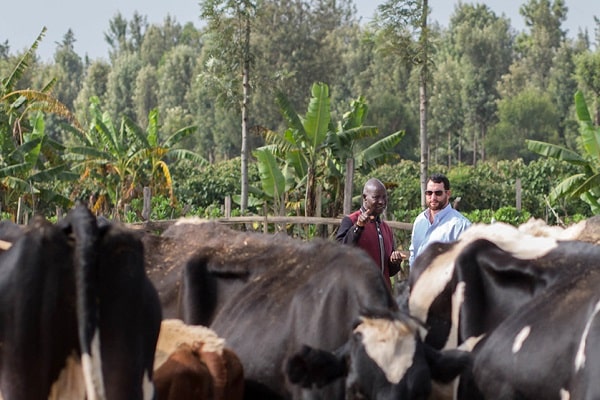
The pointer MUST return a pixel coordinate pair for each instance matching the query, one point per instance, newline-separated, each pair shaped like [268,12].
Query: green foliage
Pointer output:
[483,189]
[31,164]
[209,185]
[314,148]
[529,115]
[402,183]
[117,162]
[585,184]
[511,215]
[480,216]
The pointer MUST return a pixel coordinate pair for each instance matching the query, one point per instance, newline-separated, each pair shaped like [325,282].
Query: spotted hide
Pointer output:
[78,317]
[193,363]
[548,348]
[464,290]
[270,295]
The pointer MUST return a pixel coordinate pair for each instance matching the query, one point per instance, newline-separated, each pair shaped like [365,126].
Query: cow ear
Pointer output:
[446,365]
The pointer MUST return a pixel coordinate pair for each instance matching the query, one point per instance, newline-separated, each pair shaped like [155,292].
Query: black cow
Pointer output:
[270,295]
[548,349]
[78,316]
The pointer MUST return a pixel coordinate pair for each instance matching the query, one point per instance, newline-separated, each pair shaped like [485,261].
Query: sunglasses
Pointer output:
[437,192]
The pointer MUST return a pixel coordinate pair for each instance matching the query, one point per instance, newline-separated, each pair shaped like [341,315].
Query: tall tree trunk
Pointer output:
[482,142]
[475,135]
[423,102]
[245,89]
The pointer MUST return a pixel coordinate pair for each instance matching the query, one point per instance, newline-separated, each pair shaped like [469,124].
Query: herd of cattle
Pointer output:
[91,309]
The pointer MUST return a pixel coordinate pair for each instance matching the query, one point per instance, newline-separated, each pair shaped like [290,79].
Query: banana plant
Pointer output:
[31,164]
[156,153]
[313,148]
[302,143]
[272,178]
[104,156]
[586,184]
[122,159]
[343,141]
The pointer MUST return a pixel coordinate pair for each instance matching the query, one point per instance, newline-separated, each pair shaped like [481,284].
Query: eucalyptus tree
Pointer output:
[597,31]
[482,44]
[447,111]
[95,84]
[175,76]
[137,31]
[294,43]
[145,96]
[4,50]
[69,70]
[387,86]
[400,20]
[121,85]
[529,115]
[125,36]
[161,39]
[538,47]
[153,46]
[229,31]
[116,37]
[562,84]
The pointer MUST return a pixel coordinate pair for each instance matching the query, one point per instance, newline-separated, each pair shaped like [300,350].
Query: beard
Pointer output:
[438,204]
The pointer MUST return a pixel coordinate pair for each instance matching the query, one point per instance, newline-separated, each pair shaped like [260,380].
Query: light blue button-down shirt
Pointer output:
[447,226]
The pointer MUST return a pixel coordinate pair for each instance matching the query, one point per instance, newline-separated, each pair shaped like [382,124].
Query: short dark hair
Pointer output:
[440,178]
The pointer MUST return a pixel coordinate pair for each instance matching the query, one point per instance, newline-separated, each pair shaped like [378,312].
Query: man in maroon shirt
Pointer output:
[365,228]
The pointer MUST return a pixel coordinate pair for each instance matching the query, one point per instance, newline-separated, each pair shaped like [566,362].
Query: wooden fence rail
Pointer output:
[265,221]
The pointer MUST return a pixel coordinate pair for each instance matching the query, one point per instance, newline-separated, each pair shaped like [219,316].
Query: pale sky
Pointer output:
[22,20]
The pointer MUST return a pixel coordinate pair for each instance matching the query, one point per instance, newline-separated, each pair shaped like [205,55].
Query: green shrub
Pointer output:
[208,186]
[511,215]
[480,216]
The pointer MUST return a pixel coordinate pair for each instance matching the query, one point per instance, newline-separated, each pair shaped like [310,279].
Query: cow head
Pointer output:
[383,359]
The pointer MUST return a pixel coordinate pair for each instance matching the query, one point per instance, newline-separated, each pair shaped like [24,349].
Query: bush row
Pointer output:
[487,191]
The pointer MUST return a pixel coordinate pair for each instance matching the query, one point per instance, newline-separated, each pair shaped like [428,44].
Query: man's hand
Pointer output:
[397,256]
[364,217]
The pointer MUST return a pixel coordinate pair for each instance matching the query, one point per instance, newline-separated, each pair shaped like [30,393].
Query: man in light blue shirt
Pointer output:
[439,222]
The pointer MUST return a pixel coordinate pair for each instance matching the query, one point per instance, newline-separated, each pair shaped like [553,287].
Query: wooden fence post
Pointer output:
[348,186]
[19,218]
[147,207]
[228,206]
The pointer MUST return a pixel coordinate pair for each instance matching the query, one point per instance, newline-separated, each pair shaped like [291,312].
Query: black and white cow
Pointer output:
[270,295]
[465,290]
[78,316]
[549,348]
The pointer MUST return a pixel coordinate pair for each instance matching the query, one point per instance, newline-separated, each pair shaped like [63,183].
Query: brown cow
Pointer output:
[192,362]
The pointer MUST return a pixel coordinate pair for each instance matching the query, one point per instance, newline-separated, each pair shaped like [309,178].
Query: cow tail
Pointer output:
[85,229]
